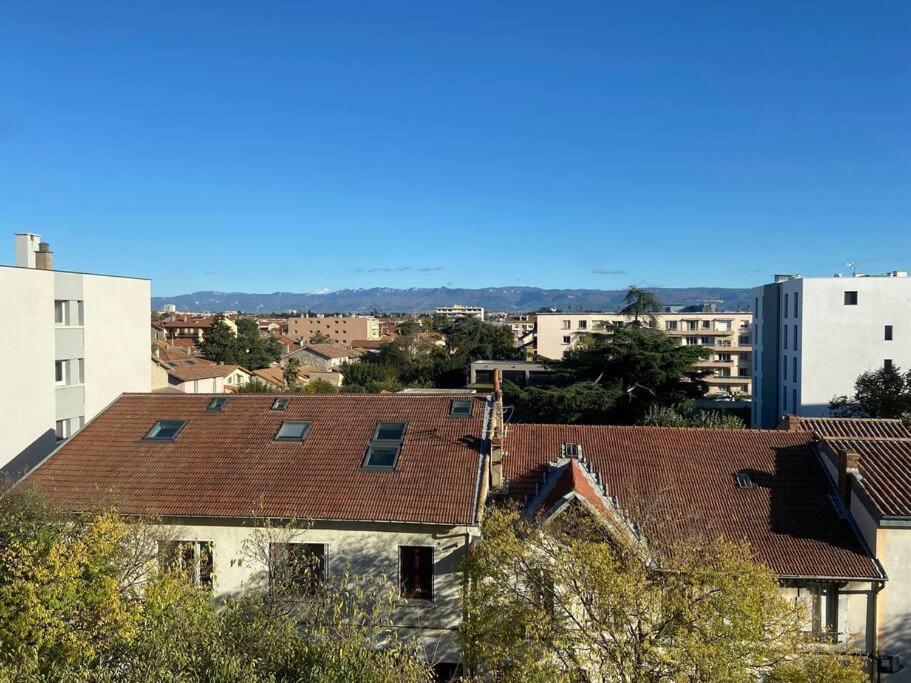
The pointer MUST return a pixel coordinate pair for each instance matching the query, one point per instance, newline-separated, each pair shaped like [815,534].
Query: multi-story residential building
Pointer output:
[459,311]
[727,334]
[73,342]
[343,329]
[193,326]
[396,485]
[815,335]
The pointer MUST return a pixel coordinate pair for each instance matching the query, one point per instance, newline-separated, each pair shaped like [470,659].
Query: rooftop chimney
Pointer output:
[790,423]
[44,257]
[848,465]
[26,246]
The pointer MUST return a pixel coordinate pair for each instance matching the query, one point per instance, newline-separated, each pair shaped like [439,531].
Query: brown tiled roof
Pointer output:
[686,479]
[189,321]
[275,375]
[855,428]
[367,343]
[334,350]
[189,369]
[226,464]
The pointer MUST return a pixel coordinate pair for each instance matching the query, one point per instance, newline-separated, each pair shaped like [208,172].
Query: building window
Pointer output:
[62,429]
[692,341]
[743,372]
[794,368]
[784,337]
[784,367]
[165,430]
[670,325]
[887,364]
[280,404]
[794,400]
[60,312]
[192,559]
[292,431]
[416,572]
[707,325]
[785,307]
[723,372]
[888,333]
[583,324]
[784,399]
[743,340]
[723,357]
[460,407]
[794,338]
[850,298]
[567,324]
[566,340]
[60,371]
[796,307]
[298,567]
[692,325]
[708,341]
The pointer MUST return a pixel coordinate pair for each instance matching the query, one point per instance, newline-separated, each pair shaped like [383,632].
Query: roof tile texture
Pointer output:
[686,478]
[226,464]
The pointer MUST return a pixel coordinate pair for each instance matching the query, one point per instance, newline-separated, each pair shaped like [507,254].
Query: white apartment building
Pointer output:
[72,342]
[459,311]
[815,335]
[728,334]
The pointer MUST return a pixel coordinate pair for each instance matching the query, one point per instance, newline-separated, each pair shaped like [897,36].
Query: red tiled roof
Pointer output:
[226,464]
[187,369]
[686,478]
[855,428]
[571,479]
[368,343]
[334,350]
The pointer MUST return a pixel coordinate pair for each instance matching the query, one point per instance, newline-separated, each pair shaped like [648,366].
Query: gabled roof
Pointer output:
[334,350]
[884,466]
[227,464]
[187,369]
[684,480]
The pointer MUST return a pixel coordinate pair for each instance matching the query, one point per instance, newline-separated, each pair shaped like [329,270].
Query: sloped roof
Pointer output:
[334,350]
[189,369]
[855,428]
[226,464]
[685,480]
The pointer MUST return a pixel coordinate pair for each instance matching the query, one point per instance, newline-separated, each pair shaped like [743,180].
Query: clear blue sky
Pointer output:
[302,146]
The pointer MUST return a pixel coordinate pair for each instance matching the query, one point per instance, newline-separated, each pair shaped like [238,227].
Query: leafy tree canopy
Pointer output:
[248,348]
[884,393]
[640,306]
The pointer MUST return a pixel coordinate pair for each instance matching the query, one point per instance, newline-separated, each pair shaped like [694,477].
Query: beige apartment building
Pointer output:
[728,334]
[343,329]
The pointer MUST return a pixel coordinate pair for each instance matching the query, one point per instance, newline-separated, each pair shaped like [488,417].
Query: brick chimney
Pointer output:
[848,465]
[790,423]
[496,430]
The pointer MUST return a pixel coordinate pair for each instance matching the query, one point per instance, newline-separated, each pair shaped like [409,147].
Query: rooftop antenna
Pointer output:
[853,266]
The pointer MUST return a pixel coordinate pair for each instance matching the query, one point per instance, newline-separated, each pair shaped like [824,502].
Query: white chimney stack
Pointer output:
[26,248]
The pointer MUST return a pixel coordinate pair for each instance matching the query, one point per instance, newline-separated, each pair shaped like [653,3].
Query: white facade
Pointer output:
[728,334]
[459,311]
[815,336]
[72,342]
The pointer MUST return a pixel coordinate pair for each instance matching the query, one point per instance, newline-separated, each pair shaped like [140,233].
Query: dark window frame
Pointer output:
[888,334]
[217,404]
[376,444]
[158,423]
[416,587]
[851,297]
[461,402]
[292,439]
[280,403]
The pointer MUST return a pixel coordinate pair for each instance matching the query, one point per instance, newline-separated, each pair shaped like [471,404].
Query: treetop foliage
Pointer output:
[248,349]
[884,393]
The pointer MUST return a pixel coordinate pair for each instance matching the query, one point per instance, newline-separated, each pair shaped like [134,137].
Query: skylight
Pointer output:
[292,431]
[743,480]
[217,403]
[165,430]
[460,407]
[383,450]
[280,403]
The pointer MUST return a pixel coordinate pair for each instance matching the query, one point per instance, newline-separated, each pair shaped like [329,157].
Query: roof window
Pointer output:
[383,450]
[743,480]
[292,431]
[572,450]
[460,407]
[217,404]
[280,403]
[165,430]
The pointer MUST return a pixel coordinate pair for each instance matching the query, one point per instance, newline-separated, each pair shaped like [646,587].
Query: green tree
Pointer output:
[320,338]
[219,343]
[292,366]
[687,415]
[577,600]
[640,305]
[883,393]
[369,377]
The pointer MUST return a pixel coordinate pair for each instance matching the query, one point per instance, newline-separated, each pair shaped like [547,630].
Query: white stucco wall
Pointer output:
[27,345]
[894,551]
[365,549]
[117,344]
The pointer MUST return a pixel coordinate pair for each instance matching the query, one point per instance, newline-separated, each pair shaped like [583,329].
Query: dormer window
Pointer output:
[460,407]
[165,430]
[572,450]
[280,403]
[292,431]
[217,404]
[383,450]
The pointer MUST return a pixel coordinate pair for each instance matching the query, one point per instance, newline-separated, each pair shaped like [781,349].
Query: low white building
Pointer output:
[813,336]
[727,334]
[459,311]
[72,343]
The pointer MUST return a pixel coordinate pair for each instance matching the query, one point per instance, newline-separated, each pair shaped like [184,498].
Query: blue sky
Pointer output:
[302,146]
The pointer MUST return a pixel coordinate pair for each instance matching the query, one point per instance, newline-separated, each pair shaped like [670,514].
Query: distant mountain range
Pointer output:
[420,299]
